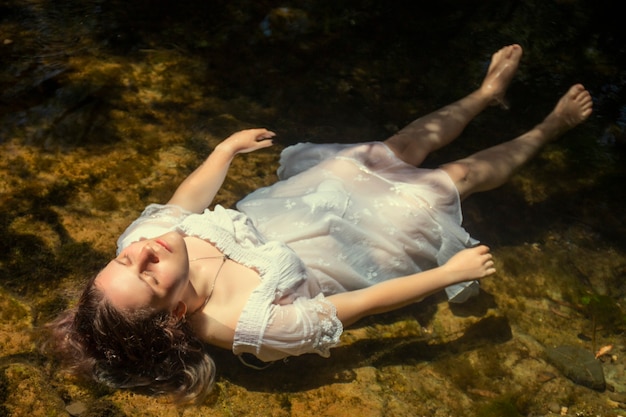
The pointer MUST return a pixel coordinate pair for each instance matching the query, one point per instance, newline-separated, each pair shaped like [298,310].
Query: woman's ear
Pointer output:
[180,310]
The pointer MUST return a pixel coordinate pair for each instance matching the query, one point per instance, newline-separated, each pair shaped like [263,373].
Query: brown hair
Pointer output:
[147,351]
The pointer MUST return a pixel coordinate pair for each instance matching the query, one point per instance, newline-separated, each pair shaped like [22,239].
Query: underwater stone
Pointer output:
[579,365]
[76,408]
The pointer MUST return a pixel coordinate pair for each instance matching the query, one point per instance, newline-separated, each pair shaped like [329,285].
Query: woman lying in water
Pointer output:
[348,231]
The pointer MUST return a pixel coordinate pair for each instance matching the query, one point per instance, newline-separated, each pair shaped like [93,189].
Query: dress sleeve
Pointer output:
[305,326]
[155,220]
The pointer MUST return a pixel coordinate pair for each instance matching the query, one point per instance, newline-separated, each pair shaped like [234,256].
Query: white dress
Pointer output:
[342,217]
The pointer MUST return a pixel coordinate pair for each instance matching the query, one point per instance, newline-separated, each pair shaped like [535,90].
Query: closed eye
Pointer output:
[123,260]
[151,275]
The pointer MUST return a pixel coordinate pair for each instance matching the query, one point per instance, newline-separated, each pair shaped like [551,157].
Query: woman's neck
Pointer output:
[205,261]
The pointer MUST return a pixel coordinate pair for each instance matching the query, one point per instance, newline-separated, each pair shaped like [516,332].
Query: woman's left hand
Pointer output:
[472,263]
[247,140]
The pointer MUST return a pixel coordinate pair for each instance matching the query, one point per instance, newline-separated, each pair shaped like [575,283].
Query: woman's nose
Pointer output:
[148,255]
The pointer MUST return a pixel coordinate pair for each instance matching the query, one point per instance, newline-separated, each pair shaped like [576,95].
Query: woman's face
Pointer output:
[148,273]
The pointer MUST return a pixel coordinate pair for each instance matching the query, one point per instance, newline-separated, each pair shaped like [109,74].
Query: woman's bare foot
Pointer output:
[500,73]
[572,109]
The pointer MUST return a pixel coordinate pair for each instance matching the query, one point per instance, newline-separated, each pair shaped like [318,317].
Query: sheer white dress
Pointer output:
[342,217]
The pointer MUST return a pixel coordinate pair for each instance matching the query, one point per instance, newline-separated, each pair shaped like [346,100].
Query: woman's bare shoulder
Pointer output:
[213,331]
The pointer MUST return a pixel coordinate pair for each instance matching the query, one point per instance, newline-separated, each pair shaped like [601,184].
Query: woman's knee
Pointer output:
[458,171]
[407,150]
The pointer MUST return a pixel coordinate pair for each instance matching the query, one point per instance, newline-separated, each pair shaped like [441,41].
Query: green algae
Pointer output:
[501,407]
[27,393]
[604,310]
[12,310]
[605,313]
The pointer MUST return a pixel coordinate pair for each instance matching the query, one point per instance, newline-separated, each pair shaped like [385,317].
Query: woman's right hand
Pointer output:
[198,190]
[246,141]
[472,263]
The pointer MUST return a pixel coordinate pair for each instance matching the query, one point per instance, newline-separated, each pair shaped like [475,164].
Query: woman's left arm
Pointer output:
[474,263]
[197,191]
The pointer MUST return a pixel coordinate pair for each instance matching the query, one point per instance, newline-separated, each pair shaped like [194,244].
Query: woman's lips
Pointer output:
[165,245]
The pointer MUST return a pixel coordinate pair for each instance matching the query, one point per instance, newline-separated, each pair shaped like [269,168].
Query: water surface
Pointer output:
[106,106]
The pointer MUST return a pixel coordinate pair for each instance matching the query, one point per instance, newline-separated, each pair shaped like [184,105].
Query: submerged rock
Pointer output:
[76,408]
[579,365]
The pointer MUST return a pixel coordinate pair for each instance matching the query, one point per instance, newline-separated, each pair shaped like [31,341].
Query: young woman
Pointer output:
[348,231]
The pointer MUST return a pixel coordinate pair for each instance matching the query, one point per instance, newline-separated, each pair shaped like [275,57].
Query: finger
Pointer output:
[265,136]
[265,144]
[257,130]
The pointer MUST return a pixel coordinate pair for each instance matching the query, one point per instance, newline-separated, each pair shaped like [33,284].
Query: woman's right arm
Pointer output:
[197,191]
[469,264]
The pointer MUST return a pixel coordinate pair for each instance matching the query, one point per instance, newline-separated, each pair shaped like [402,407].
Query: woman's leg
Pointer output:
[492,167]
[414,142]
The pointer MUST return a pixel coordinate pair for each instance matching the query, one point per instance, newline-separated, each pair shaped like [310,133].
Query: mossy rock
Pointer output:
[15,325]
[13,313]
[28,393]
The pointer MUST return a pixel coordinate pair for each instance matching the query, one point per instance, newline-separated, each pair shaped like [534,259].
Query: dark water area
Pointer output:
[106,106]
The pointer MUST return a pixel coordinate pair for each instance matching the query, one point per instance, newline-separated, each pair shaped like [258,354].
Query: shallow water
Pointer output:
[106,106]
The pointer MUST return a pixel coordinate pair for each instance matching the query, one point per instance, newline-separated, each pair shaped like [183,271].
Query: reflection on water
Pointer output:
[105,106]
